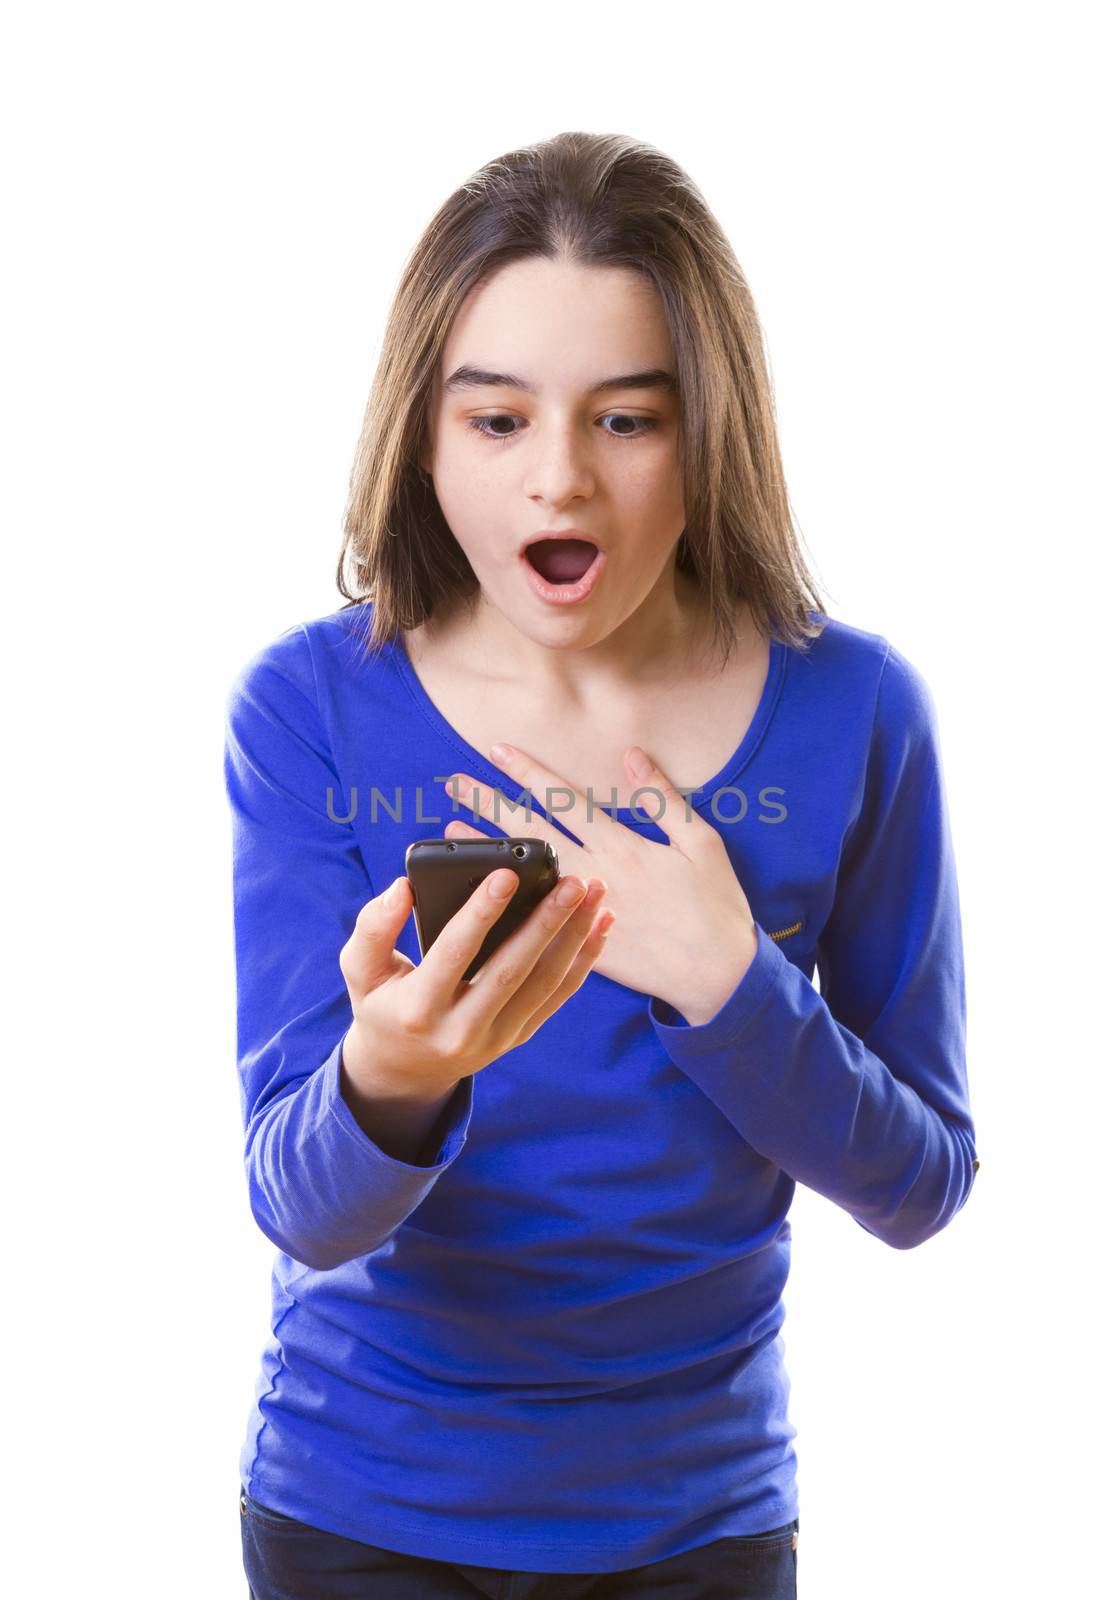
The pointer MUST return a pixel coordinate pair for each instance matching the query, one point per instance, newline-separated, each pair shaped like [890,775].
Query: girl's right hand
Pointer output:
[418,1030]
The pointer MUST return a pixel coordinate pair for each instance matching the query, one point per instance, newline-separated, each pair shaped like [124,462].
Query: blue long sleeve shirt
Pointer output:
[557,1347]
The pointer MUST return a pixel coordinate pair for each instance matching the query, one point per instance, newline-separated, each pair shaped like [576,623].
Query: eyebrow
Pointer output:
[468,377]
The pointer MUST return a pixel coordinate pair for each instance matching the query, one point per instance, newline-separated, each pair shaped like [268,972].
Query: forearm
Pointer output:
[400,1124]
[324,1189]
[810,1095]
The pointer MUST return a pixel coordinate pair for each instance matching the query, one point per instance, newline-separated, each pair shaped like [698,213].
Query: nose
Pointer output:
[561,467]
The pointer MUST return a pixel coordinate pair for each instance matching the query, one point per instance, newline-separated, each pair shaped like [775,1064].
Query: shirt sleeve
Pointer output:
[319,1187]
[860,1091]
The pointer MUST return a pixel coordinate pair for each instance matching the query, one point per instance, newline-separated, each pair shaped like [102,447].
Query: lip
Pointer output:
[563,594]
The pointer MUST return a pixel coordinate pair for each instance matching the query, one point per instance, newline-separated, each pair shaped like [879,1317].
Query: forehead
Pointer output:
[558,326]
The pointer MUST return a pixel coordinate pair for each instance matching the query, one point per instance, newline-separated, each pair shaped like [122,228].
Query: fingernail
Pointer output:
[569,892]
[502,884]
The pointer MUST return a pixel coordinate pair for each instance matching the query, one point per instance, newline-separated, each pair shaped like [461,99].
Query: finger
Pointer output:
[462,830]
[518,979]
[444,964]
[367,957]
[514,817]
[656,795]
[569,854]
[540,785]
[512,965]
[595,938]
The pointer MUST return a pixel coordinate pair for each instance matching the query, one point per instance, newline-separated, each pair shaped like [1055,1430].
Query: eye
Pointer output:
[483,425]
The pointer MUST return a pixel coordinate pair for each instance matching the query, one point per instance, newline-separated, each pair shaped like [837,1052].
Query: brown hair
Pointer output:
[600,200]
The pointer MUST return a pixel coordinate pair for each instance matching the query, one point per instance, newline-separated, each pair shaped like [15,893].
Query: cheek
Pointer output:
[468,498]
[652,499]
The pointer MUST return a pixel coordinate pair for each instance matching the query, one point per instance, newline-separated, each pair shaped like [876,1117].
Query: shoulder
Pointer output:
[867,675]
[838,671]
[276,682]
[288,671]
[866,684]
[843,647]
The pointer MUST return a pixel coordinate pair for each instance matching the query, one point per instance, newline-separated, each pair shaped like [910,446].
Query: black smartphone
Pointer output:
[444,872]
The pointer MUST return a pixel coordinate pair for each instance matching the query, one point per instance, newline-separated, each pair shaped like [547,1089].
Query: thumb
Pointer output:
[370,956]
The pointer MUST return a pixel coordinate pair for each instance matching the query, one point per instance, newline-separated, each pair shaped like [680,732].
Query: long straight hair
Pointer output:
[597,200]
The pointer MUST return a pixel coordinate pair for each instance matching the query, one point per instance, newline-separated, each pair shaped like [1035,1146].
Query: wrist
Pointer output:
[402,1122]
[370,1079]
[703,994]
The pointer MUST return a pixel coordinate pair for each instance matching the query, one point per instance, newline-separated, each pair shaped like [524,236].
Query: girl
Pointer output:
[532,1229]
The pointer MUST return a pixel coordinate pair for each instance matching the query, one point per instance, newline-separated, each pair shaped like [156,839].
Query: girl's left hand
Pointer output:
[684,930]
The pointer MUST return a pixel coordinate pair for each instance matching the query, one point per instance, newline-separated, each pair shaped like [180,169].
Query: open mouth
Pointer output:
[561,560]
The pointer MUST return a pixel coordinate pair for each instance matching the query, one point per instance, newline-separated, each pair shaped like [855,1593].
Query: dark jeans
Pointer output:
[289,1560]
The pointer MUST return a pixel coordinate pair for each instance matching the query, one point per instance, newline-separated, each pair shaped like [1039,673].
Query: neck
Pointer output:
[668,636]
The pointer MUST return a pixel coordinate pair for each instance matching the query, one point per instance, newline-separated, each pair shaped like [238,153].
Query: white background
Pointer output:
[208,208]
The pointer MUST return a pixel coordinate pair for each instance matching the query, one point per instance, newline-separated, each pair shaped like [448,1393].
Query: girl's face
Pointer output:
[522,438]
